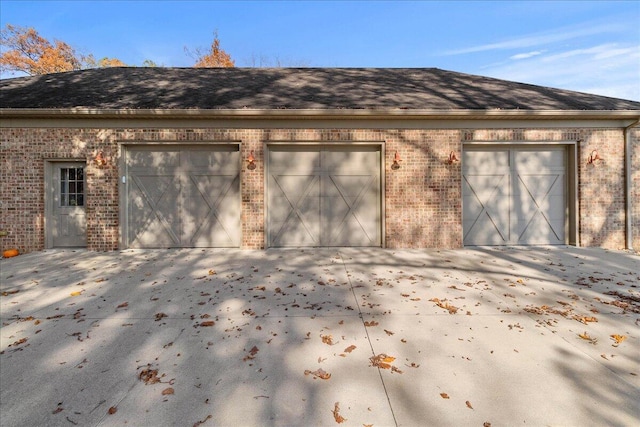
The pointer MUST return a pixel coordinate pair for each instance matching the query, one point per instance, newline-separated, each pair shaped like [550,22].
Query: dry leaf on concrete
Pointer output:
[318,373]
[336,414]
[327,339]
[618,339]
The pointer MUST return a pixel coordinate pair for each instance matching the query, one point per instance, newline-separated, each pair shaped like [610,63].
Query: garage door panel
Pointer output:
[290,161]
[486,161]
[526,206]
[324,196]
[158,161]
[486,230]
[205,223]
[294,215]
[224,159]
[183,197]
[538,230]
[350,207]
[535,159]
[153,216]
[348,160]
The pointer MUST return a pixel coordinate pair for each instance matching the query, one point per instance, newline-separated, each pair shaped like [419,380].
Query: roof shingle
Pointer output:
[290,88]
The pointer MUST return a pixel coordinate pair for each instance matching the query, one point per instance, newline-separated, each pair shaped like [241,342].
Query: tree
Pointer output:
[149,63]
[213,57]
[30,53]
[106,62]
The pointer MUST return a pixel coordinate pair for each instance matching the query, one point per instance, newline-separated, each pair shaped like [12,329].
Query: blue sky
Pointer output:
[589,46]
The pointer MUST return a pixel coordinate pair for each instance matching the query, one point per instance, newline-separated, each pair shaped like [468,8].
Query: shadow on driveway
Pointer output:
[312,337]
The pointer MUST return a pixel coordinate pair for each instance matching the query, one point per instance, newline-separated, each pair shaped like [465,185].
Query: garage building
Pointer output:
[256,158]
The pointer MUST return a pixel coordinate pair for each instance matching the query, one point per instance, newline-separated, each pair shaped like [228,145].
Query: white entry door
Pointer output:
[66,225]
[514,196]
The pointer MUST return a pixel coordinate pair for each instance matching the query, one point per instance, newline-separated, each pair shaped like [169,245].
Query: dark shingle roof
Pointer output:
[290,88]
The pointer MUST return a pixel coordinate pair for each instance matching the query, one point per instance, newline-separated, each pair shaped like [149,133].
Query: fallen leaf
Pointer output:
[212,272]
[585,319]
[618,339]
[585,336]
[159,316]
[486,424]
[382,361]
[199,423]
[469,404]
[123,305]
[350,349]
[112,410]
[394,369]
[327,339]
[208,323]
[388,332]
[371,323]
[76,293]
[149,376]
[167,391]
[336,414]
[252,354]
[19,342]
[318,373]
[443,304]
[444,395]
[7,293]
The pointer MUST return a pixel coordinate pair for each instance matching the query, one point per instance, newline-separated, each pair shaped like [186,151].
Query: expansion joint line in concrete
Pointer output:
[368,337]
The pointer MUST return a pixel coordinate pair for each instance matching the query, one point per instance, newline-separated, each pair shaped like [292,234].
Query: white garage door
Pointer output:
[324,196]
[182,197]
[514,195]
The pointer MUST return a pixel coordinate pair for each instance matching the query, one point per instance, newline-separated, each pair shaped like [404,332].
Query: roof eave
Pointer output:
[289,114]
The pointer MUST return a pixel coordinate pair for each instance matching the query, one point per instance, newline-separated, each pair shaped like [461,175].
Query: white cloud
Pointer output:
[539,39]
[527,54]
[607,69]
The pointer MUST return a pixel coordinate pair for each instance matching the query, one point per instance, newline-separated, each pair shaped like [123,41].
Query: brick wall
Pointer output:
[422,198]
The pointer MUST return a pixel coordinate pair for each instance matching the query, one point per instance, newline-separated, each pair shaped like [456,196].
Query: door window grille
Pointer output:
[71,187]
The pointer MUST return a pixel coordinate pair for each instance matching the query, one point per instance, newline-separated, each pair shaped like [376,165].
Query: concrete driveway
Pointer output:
[535,335]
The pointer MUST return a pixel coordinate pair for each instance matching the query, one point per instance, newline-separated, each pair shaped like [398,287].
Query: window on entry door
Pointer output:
[71,187]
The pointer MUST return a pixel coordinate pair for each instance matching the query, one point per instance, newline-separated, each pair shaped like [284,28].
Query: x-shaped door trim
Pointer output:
[486,208]
[351,207]
[295,208]
[154,210]
[213,207]
[538,209]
